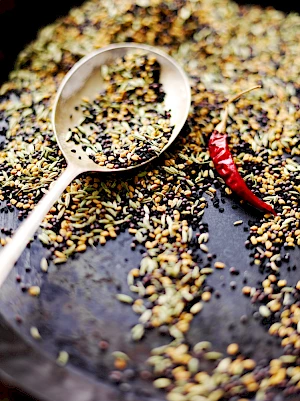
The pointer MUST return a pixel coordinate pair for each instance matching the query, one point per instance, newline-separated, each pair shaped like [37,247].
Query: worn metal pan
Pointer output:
[77,307]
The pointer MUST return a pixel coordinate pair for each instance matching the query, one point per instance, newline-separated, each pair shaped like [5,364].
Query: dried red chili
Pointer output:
[225,166]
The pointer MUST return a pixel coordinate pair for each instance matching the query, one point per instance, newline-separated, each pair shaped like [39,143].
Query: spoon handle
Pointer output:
[14,248]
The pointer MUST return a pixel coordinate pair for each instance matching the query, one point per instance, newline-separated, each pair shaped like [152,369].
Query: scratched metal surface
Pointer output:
[77,308]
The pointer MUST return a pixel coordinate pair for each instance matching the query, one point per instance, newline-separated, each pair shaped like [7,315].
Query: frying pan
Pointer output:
[77,306]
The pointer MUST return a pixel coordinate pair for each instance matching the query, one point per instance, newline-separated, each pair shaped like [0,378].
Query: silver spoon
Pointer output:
[84,79]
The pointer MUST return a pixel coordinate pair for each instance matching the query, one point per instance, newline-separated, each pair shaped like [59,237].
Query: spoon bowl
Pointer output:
[84,80]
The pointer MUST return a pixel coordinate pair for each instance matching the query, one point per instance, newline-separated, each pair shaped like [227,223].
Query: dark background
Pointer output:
[20,19]
[19,22]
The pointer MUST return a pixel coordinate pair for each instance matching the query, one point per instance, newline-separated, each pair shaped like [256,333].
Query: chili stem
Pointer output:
[221,127]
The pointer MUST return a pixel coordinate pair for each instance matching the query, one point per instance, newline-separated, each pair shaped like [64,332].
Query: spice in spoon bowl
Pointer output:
[127,123]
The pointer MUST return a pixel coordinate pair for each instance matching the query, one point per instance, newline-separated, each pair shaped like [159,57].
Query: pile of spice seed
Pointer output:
[224,48]
[127,123]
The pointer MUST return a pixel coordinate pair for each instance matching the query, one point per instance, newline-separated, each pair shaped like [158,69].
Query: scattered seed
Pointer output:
[232,349]
[162,206]
[219,265]
[137,332]
[264,311]
[35,333]
[34,291]
[44,265]
[63,358]
[162,382]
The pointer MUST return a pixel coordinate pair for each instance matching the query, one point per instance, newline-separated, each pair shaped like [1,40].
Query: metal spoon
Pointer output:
[84,79]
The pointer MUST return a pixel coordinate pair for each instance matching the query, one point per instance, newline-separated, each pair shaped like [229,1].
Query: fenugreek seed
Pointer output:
[81,248]
[249,364]
[232,349]
[59,254]
[206,296]
[219,265]
[34,290]
[246,290]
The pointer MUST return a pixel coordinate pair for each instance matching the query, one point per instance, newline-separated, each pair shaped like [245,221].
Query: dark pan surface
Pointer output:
[77,306]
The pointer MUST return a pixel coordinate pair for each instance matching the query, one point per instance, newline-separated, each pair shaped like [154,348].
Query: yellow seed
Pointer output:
[196,308]
[268,244]
[206,296]
[253,240]
[252,387]
[120,363]
[34,290]
[81,248]
[183,326]
[246,290]
[219,265]
[59,254]
[232,349]
[278,377]
[249,364]
[102,240]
